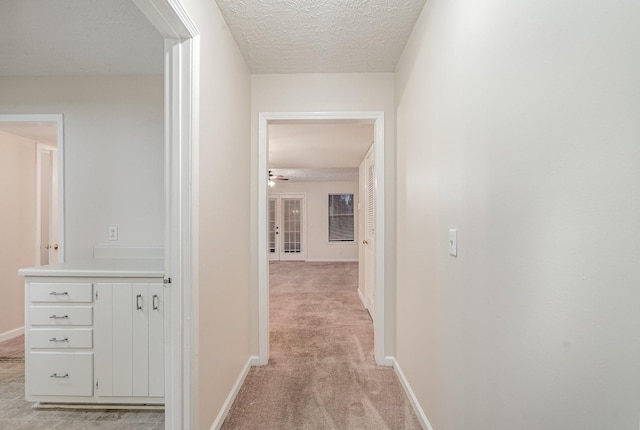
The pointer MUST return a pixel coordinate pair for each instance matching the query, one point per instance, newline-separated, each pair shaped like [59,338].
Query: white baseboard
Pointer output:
[422,417]
[11,334]
[364,303]
[256,361]
[217,424]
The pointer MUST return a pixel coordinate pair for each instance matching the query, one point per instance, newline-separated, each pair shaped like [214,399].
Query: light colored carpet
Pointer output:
[321,374]
[12,350]
[18,414]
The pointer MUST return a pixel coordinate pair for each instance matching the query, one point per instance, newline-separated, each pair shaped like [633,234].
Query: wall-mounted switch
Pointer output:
[453,242]
[113,232]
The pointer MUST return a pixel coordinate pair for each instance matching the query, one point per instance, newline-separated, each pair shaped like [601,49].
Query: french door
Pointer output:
[287,227]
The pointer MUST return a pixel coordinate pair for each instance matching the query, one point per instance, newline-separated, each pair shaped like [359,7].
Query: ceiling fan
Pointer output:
[273,177]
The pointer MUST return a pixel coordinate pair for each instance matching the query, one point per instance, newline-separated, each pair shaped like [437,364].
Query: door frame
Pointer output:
[266,118]
[182,113]
[48,120]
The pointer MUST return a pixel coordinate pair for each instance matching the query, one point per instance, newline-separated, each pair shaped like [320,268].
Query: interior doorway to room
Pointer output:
[42,135]
[30,207]
[311,179]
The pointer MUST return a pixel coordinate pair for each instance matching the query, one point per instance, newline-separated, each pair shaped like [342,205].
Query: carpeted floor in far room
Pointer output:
[321,373]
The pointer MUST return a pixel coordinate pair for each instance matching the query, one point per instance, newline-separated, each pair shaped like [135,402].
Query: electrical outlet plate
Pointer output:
[113,232]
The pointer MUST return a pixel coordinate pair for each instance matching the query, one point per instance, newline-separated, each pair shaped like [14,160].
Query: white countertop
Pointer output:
[102,267]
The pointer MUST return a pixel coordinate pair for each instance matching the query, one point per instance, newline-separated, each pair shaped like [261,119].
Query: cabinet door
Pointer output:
[156,341]
[130,340]
[140,337]
[103,360]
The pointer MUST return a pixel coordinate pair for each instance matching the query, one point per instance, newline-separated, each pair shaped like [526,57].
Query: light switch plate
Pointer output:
[453,242]
[113,232]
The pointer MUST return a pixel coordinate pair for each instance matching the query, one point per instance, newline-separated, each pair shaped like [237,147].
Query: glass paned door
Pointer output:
[286,227]
[292,231]
[274,252]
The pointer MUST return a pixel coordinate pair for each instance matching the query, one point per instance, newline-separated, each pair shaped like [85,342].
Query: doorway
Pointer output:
[46,134]
[265,119]
[21,137]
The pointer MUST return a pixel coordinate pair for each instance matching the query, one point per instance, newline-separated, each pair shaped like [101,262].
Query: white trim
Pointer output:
[217,423]
[362,300]
[377,118]
[182,87]
[422,417]
[11,334]
[58,120]
[263,241]
[331,260]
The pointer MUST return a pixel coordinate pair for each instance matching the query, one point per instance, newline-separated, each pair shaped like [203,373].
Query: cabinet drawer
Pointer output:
[61,315]
[61,338]
[61,293]
[61,374]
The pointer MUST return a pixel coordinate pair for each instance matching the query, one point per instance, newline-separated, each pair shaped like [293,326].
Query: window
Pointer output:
[340,217]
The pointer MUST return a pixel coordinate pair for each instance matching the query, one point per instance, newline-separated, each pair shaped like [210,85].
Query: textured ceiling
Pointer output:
[318,152]
[321,36]
[77,37]
[112,37]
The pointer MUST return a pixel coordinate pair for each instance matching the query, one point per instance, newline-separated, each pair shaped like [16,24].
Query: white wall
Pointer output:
[223,212]
[518,125]
[17,224]
[113,149]
[317,203]
[327,93]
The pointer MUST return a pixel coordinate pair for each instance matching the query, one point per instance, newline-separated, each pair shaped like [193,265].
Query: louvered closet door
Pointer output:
[370,232]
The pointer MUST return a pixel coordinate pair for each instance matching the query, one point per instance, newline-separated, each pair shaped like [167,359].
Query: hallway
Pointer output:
[321,374]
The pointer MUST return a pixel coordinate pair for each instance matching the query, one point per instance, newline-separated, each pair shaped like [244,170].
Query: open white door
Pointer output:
[47,204]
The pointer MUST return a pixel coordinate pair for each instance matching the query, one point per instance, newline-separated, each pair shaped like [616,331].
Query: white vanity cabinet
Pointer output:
[94,336]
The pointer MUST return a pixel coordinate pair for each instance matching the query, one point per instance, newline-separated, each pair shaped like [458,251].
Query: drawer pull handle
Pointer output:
[156,302]
[139,302]
[55,293]
[56,317]
[55,375]
[53,339]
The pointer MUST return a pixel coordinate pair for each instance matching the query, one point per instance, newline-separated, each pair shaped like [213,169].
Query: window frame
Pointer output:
[331,216]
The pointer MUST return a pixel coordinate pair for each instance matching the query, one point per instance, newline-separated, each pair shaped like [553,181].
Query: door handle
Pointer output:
[139,302]
[156,302]
[365,242]
[55,246]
